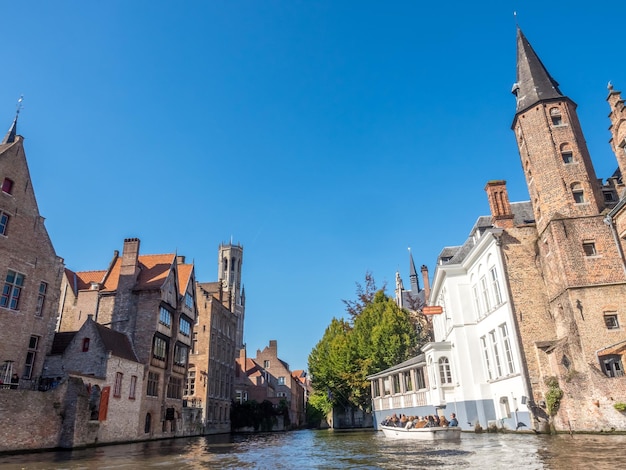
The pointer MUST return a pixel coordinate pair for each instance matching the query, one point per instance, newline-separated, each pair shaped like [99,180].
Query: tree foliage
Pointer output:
[364,296]
[380,335]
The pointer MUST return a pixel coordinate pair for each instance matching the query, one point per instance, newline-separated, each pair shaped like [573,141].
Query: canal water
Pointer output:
[334,450]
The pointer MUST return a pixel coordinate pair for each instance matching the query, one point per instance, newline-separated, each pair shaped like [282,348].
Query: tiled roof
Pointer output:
[85,278]
[184,275]
[154,270]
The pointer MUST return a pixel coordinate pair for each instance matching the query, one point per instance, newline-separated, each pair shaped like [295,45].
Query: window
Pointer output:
[43,288]
[567,156]
[408,383]
[589,248]
[165,317]
[194,344]
[281,380]
[117,390]
[175,388]
[180,355]
[148,424]
[376,387]
[495,286]
[578,193]
[387,386]
[613,366]
[190,386]
[31,355]
[485,293]
[419,377]
[188,300]
[555,115]
[153,384]
[396,383]
[496,352]
[444,371]
[85,344]
[608,196]
[11,291]
[476,300]
[159,348]
[610,320]
[483,343]
[184,326]
[7,186]
[4,222]
[266,364]
[133,387]
[506,344]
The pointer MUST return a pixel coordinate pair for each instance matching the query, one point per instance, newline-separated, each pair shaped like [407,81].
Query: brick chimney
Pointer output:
[499,204]
[426,282]
[130,256]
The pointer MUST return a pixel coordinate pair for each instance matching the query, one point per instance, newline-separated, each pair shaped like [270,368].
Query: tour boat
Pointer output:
[423,434]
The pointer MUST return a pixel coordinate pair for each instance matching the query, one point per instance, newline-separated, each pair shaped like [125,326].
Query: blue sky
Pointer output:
[325,136]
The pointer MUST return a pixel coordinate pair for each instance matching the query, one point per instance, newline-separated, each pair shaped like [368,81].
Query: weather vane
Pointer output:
[19,106]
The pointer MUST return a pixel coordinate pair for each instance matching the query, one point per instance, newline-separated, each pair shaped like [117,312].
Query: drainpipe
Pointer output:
[608,220]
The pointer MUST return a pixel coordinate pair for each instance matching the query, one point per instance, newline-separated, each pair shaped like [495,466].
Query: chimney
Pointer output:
[426,282]
[130,256]
[499,204]
[180,259]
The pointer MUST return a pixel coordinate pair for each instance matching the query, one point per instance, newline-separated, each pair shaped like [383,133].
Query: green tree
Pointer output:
[380,335]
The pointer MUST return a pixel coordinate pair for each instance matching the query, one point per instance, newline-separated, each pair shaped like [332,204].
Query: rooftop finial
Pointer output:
[610,86]
[10,137]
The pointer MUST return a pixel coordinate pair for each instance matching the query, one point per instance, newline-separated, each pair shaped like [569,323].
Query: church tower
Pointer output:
[230,260]
[561,179]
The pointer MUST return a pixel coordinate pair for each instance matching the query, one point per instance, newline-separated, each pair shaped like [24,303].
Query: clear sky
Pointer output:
[324,136]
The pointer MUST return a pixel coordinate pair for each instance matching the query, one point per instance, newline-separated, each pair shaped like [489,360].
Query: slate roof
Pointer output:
[116,342]
[522,215]
[61,341]
[534,83]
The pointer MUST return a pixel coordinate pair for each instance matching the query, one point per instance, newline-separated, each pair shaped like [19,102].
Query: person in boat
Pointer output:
[403,421]
[421,422]
[437,421]
[410,423]
[444,422]
[431,422]
[453,421]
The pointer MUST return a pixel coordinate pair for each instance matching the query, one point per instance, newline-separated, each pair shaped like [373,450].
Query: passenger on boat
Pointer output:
[410,423]
[431,422]
[403,421]
[453,421]
[421,422]
[437,420]
[444,422]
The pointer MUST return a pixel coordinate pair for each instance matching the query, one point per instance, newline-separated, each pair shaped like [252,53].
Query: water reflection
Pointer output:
[331,450]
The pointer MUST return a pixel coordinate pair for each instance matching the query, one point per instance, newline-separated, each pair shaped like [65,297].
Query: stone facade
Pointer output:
[30,271]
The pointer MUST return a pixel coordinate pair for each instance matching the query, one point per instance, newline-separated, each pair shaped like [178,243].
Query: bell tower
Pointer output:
[230,260]
[561,180]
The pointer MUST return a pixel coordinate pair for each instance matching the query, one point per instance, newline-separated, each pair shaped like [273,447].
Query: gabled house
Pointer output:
[150,299]
[106,362]
[30,271]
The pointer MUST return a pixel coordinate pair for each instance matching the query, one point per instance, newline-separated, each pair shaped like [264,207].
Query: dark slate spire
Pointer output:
[10,137]
[534,83]
[415,286]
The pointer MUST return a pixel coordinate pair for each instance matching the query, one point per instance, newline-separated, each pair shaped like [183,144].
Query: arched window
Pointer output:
[444,371]
[578,193]
[225,261]
[555,115]
[567,154]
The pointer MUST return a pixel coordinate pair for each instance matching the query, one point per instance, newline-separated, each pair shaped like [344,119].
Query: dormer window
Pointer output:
[589,248]
[555,115]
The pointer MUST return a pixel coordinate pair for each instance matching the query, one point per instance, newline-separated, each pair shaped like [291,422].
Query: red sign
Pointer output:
[432,310]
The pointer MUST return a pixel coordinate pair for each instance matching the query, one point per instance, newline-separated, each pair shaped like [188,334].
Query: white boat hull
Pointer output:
[423,434]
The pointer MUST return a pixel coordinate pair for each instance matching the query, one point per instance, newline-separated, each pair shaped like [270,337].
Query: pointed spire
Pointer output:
[534,83]
[415,286]
[9,138]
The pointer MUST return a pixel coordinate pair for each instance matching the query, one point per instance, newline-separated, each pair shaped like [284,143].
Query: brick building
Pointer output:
[565,268]
[211,373]
[150,299]
[267,377]
[30,270]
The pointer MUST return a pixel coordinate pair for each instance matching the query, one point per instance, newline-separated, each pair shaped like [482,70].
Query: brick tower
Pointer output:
[581,270]
[230,260]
